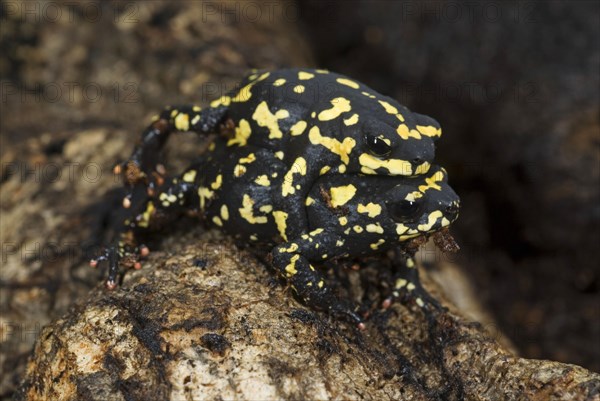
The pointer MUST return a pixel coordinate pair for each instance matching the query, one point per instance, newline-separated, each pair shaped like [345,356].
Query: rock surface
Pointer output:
[206,321]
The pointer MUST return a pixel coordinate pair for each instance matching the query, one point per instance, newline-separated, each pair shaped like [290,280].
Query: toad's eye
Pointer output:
[377,145]
[406,211]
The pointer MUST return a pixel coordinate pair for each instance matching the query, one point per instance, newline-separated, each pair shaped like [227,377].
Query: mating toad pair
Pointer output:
[309,163]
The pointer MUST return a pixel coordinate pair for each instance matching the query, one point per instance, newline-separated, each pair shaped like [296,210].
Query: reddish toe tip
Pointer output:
[361,326]
[111,285]
[117,169]
[126,202]
[137,265]
[93,263]
[386,304]
[144,251]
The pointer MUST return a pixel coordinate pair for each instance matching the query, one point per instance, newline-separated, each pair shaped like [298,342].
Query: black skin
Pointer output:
[278,141]
[367,128]
[360,234]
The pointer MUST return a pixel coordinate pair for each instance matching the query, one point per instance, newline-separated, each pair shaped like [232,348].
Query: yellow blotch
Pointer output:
[248,159]
[343,220]
[347,82]
[324,170]
[196,108]
[321,283]
[429,130]
[293,248]
[281,222]
[377,244]
[190,176]
[242,133]
[410,263]
[224,212]
[341,195]
[247,213]
[204,194]
[322,71]
[370,163]
[222,101]
[244,94]
[352,120]
[279,154]
[388,107]
[291,268]
[316,232]
[266,208]
[342,149]
[217,183]
[309,201]
[422,168]
[263,180]
[405,133]
[303,75]
[431,219]
[196,119]
[298,128]
[182,122]
[371,209]
[264,118]
[299,88]
[374,228]
[299,167]
[239,170]
[217,221]
[279,82]
[339,105]
[413,196]
[212,146]
[432,182]
[358,229]
[145,221]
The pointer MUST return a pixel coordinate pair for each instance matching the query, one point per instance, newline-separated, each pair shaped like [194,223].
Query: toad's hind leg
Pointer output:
[407,285]
[291,260]
[175,197]
[143,164]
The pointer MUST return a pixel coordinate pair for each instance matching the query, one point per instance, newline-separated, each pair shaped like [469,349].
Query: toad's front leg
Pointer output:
[144,163]
[292,261]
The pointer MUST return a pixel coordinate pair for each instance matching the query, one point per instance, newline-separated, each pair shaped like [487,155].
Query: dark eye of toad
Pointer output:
[377,146]
[406,211]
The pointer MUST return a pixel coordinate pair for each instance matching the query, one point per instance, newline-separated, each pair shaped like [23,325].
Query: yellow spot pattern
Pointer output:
[431,219]
[299,167]
[264,118]
[347,82]
[281,222]
[298,128]
[341,195]
[429,131]
[182,122]
[303,75]
[242,133]
[394,166]
[217,183]
[339,105]
[351,120]
[342,149]
[247,213]
[263,180]
[190,176]
[371,209]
